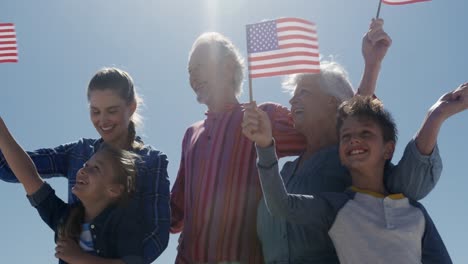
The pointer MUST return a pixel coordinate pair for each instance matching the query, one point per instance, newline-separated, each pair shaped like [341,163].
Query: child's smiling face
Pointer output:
[362,145]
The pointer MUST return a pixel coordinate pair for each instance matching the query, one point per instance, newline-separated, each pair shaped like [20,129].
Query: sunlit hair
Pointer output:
[368,108]
[124,167]
[223,48]
[333,80]
[121,83]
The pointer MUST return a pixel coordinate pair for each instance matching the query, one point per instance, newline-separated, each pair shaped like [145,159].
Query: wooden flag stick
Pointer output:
[250,90]
[378,9]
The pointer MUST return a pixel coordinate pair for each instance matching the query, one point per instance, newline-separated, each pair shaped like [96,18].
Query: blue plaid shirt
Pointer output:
[152,185]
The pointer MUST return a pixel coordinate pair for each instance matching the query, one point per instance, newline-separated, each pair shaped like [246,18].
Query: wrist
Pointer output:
[265,143]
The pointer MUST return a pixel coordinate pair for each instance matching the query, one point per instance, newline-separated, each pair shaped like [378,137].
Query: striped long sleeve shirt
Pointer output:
[215,197]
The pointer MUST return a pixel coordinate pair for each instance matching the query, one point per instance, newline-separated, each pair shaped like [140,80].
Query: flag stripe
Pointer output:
[283,64]
[271,62]
[295,28]
[8,53]
[402,2]
[7,42]
[282,55]
[284,72]
[299,45]
[296,36]
[8,46]
[294,19]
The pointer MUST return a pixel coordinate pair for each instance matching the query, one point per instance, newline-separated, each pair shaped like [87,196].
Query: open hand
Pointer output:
[451,103]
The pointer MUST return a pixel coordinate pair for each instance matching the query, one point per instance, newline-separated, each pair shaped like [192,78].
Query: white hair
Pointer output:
[333,80]
[224,48]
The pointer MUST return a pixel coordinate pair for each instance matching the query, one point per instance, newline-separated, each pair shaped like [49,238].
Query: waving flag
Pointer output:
[402,2]
[8,48]
[282,46]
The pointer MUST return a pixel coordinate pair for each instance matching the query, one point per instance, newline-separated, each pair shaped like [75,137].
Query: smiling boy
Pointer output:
[365,223]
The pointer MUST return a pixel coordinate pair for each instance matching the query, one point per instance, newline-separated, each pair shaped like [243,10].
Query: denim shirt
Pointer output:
[114,234]
[285,242]
[152,185]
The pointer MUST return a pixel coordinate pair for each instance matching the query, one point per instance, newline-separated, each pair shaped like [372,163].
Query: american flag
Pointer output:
[8,48]
[282,46]
[402,2]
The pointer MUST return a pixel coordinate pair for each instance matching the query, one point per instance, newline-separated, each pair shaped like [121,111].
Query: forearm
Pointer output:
[274,192]
[19,162]
[416,174]
[426,137]
[369,79]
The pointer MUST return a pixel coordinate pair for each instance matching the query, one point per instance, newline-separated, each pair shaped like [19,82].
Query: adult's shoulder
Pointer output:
[81,145]
[150,154]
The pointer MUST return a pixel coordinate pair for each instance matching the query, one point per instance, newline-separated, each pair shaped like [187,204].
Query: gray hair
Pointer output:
[333,81]
[224,48]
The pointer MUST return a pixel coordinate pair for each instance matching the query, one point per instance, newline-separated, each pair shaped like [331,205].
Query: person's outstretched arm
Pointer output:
[19,162]
[420,168]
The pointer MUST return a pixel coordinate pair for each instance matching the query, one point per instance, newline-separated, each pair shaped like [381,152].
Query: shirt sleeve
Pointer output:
[50,207]
[289,142]
[416,174]
[50,162]
[159,237]
[296,208]
[433,247]
[178,194]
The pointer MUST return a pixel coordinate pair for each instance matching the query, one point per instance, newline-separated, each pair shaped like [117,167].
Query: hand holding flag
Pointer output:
[375,43]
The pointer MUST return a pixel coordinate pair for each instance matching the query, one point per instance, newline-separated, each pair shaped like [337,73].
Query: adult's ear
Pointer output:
[133,107]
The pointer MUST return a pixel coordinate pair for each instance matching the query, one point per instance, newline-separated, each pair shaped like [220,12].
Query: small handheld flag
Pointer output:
[8,46]
[282,46]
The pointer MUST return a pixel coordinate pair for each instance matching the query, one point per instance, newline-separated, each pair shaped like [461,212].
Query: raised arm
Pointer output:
[19,162]
[420,168]
[448,105]
[49,162]
[375,44]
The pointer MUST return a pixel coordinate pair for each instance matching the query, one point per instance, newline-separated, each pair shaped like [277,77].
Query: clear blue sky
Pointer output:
[62,43]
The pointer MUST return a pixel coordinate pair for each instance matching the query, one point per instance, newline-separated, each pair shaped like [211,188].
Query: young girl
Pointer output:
[95,228]
[113,105]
